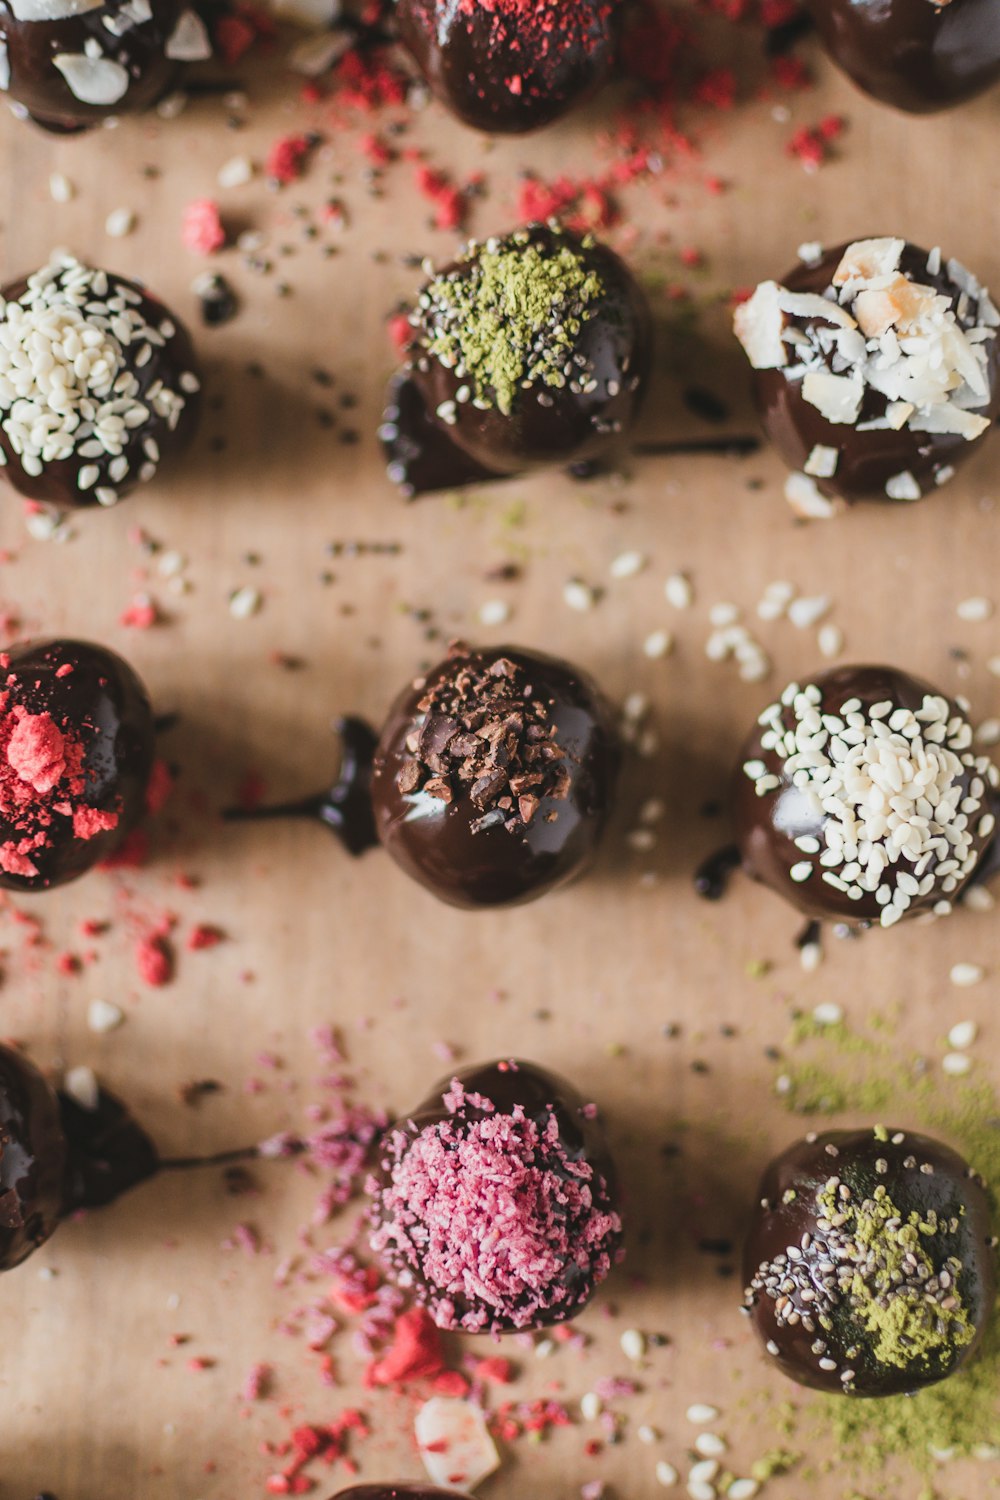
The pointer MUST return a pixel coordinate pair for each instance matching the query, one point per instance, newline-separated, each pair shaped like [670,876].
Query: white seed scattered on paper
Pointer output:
[494,612]
[579,595]
[119,223]
[974,609]
[962,1035]
[964,975]
[627,564]
[678,591]
[103,1016]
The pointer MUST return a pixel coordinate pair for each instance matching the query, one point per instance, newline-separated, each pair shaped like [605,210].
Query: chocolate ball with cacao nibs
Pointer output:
[494,776]
[98,385]
[529,350]
[916,55]
[77,741]
[870,1264]
[860,797]
[511,67]
[68,65]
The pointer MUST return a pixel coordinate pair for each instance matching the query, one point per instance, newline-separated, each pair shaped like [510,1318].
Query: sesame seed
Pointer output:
[81,1085]
[119,223]
[633,1344]
[806,612]
[956,1064]
[245,602]
[829,1013]
[666,1474]
[723,614]
[658,644]
[647,1434]
[700,1414]
[743,1489]
[962,1035]
[579,596]
[703,1472]
[61,190]
[974,609]
[627,565]
[494,612]
[545,1348]
[988,732]
[235,173]
[678,591]
[700,1489]
[590,1406]
[801,872]
[103,1016]
[709,1445]
[965,975]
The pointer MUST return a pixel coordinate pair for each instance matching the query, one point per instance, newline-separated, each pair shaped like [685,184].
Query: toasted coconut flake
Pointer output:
[811,305]
[189,40]
[865,260]
[758,324]
[51,10]
[4,68]
[838,398]
[93,80]
[822,462]
[455,1445]
[903,487]
[806,500]
[950,419]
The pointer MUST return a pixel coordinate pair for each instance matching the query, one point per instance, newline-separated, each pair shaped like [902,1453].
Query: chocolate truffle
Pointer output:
[859,797]
[494,776]
[511,65]
[495,1203]
[876,370]
[76,751]
[69,64]
[870,1262]
[399,1491]
[527,351]
[918,55]
[98,383]
[59,1154]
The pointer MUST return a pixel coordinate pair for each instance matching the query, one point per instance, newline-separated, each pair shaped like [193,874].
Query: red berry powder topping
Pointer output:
[42,787]
[543,34]
[491,1219]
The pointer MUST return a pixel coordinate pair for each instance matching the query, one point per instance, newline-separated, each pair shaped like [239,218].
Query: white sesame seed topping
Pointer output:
[666,1474]
[590,1406]
[244,602]
[743,1489]
[657,645]
[964,975]
[61,190]
[829,1013]
[119,223]
[830,641]
[627,564]
[678,591]
[579,595]
[962,1035]
[633,1344]
[700,1414]
[956,1064]
[709,1445]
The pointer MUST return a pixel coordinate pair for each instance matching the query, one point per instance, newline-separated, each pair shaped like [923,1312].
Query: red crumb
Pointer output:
[88,822]
[286,158]
[448,200]
[132,853]
[400,331]
[201,227]
[141,614]
[204,936]
[415,1353]
[159,787]
[154,960]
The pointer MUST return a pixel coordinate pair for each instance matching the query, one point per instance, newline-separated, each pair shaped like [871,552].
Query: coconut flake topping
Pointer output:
[904,804]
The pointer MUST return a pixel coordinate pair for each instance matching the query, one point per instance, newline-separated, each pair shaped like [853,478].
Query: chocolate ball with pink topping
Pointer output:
[511,66]
[496,1201]
[76,752]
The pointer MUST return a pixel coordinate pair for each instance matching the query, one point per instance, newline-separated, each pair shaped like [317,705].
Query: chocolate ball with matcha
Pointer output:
[528,351]
[870,1264]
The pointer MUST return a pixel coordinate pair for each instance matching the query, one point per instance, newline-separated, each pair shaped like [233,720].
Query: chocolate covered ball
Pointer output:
[32,1159]
[495,1203]
[494,776]
[876,370]
[98,385]
[529,350]
[870,1262]
[918,55]
[401,1491]
[511,65]
[69,64]
[76,751]
[859,797]
[60,1153]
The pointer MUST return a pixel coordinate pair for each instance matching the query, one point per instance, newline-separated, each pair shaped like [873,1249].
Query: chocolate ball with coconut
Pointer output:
[870,1262]
[876,370]
[859,798]
[494,776]
[69,64]
[496,1203]
[528,350]
[917,55]
[513,65]
[98,385]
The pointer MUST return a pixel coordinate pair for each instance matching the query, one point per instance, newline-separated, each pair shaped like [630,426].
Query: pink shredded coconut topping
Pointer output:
[491,1221]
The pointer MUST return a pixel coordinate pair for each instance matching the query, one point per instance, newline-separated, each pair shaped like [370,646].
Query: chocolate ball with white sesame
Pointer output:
[60,1151]
[494,776]
[70,64]
[510,66]
[876,370]
[496,1202]
[529,350]
[98,385]
[76,753]
[870,1263]
[917,55]
[860,799]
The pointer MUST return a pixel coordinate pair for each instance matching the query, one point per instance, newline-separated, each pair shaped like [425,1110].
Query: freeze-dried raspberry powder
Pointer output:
[535,37]
[491,1220]
[41,785]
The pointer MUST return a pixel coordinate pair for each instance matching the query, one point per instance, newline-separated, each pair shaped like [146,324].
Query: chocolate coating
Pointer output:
[868,459]
[32,1159]
[542,1095]
[581,420]
[508,67]
[767,826]
[435,842]
[917,55]
[92,475]
[400,1491]
[101,701]
[138,56]
[864,1161]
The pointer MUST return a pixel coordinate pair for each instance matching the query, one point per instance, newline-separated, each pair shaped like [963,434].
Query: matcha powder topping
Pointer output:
[508,316]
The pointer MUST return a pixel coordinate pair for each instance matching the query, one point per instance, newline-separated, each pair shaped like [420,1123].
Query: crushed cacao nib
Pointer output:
[483,733]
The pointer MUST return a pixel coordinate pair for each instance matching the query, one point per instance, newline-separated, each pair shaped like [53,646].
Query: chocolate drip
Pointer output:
[421,458]
[711,879]
[108,1152]
[346,807]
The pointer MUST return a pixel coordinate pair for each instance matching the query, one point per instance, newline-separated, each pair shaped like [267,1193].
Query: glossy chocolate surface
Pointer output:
[766,827]
[57,484]
[141,50]
[506,73]
[108,1152]
[914,54]
[867,459]
[32,1159]
[540,1093]
[400,1491]
[102,701]
[546,426]
[434,841]
[949,1189]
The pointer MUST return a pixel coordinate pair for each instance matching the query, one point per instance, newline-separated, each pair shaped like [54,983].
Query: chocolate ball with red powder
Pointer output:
[495,1203]
[76,754]
[511,66]
[98,385]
